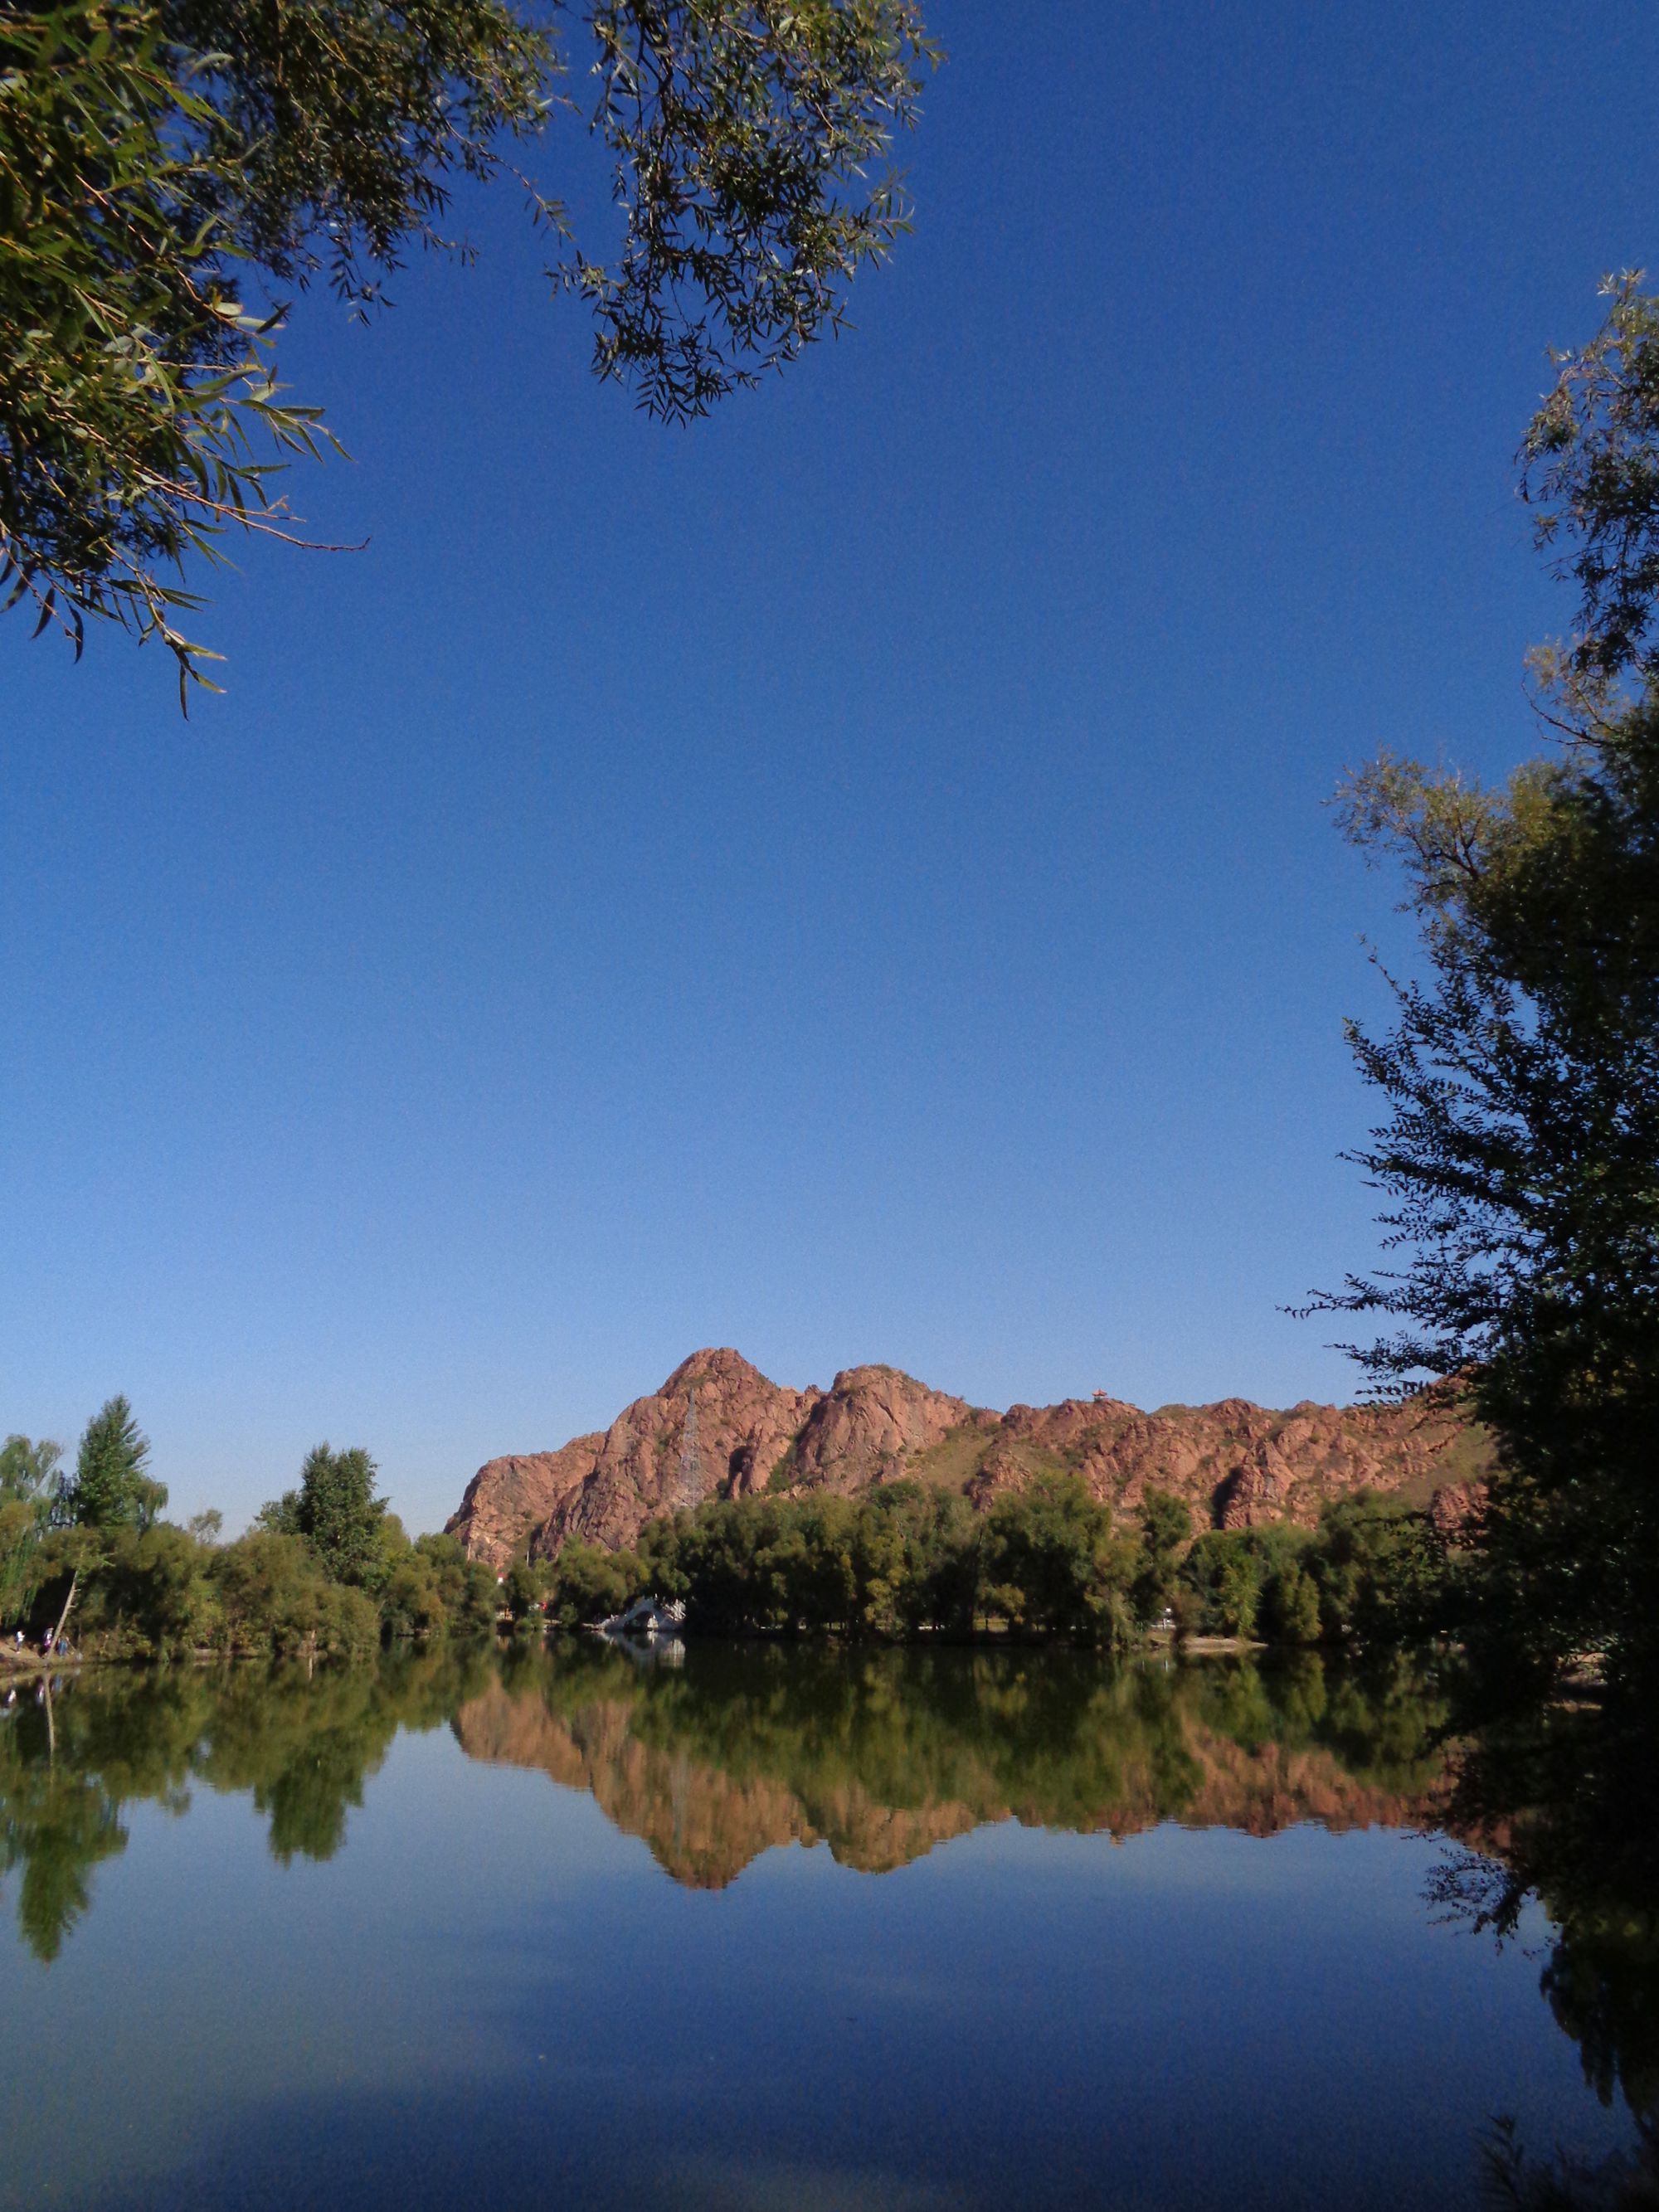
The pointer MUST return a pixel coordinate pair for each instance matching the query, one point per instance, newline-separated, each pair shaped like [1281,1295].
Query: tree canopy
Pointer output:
[339,1513]
[172,171]
[29,1489]
[1520,1157]
[111,1486]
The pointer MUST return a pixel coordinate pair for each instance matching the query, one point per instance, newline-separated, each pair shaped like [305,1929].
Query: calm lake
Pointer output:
[746,1926]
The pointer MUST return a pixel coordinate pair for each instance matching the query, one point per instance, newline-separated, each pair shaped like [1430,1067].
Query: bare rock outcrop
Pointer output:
[509,1498]
[872,1423]
[718,1428]
[1455,1507]
[1236,1464]
[1257,1491]
[658,1455]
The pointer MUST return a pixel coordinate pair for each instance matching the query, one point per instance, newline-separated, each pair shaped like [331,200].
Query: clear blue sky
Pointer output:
[849,879]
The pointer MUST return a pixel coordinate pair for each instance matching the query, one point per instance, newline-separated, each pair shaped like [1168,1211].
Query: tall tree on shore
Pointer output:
[171,170]
[338,1512]
[111,1486]
[1520,1153]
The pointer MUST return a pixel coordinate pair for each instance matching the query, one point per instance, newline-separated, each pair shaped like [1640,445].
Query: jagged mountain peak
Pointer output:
[1234,1464]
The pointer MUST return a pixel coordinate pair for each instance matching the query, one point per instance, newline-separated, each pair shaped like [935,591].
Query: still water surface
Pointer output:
[767,1928]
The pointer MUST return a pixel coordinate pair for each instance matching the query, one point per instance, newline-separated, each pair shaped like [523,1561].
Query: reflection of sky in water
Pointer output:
[489,1989]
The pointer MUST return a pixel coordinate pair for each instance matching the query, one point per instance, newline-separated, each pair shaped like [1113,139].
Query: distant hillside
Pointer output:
[718,1428]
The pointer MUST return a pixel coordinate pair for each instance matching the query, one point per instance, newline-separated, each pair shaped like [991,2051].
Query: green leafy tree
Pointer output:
[150,1502]
[147,1595]
[1050,1562]
[1520,1155]
[588,1585]
[432,1588]
[29,1471]
[1290,1606]
[279,1516]
[162,161]
[524,1588]
[1591,457]
[1226,1571]
[1166,1529]
[337,1513]
[29,1496]
[1382,1573]
[275,1597]
[72,1559]
[111,1486]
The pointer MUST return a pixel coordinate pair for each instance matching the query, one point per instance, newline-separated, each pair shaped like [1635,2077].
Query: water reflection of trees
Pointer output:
[73,1759]
[1561,1804]
[884,1753]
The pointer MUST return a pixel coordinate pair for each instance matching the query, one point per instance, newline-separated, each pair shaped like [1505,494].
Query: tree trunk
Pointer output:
[52,1641]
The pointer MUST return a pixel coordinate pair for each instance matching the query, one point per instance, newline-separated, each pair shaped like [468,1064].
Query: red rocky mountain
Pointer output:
[718,1428]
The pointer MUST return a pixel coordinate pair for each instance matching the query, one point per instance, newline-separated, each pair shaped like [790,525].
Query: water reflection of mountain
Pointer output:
[884,1756]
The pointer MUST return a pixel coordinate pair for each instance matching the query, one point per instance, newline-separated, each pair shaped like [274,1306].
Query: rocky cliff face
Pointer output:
[718,1428]
[508,1497]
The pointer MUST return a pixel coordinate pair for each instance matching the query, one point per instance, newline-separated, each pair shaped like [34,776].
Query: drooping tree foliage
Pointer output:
[172,170]
[29,1493]
[1520,1157]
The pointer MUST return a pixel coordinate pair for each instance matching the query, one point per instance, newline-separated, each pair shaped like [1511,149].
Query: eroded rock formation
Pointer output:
[1236,1464]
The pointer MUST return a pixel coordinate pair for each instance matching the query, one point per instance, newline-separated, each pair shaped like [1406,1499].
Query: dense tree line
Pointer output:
[326,1571]
[1046,1561]
[1369,1574]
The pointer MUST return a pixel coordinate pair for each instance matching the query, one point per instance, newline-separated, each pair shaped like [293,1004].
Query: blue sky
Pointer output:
[849,879]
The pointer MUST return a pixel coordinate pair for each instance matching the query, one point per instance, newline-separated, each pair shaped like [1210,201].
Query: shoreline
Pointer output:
[32,1662]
